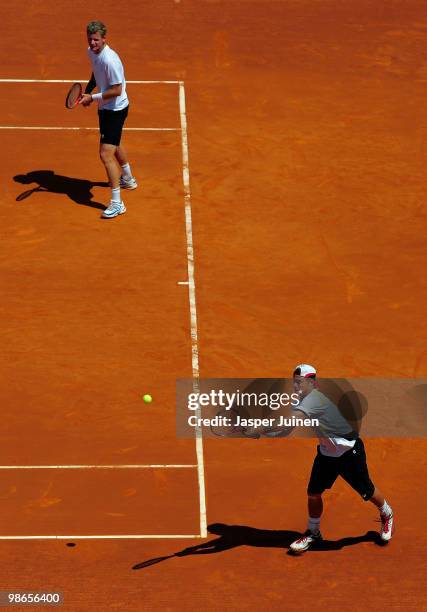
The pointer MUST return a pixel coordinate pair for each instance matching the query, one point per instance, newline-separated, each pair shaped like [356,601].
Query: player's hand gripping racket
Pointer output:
[74,95]
[228,424]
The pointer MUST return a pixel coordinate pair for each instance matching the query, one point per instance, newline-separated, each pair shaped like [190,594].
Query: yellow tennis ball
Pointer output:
[147,399]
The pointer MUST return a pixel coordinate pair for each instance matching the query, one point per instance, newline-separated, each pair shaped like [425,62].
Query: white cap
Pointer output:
[305,370]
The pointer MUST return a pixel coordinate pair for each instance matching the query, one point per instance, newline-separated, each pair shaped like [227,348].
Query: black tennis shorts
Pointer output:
[351,466]
[111,125]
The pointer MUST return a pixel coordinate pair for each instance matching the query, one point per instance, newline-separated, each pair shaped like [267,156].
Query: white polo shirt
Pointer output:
[332,425]
[108,70]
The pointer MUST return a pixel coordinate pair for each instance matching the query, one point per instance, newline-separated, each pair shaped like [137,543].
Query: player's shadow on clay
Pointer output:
[78,190]
[231,536]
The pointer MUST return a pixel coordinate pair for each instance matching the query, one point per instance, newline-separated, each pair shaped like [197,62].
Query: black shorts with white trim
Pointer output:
[351,466]
[111,125]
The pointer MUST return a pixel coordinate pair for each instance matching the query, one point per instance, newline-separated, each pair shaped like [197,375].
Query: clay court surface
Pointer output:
[306,128]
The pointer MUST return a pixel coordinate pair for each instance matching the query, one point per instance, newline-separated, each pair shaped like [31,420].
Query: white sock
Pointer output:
[115,195]
[126,172]
[385,509]
[313,524]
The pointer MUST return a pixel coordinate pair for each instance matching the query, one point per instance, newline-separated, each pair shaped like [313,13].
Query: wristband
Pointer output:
[97,96]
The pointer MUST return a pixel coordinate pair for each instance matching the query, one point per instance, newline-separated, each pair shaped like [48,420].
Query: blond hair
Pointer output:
[96,26]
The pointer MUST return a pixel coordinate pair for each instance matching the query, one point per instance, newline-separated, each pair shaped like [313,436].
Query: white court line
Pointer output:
[81,81]
[97,467]
[102,537]
[40,127]
[193,309]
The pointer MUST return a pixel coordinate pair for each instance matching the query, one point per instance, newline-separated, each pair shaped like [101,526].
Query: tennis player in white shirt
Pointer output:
[113,106]
[340,452]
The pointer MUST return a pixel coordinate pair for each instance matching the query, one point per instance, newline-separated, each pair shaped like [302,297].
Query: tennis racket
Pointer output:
[226,424]
[74,96]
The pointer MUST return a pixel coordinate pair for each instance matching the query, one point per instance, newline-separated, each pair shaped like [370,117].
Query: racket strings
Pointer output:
[73,95]
[227,423]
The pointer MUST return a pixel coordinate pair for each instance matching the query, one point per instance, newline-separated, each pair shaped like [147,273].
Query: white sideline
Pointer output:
[81,81]
[154,466]
[192,300]
[101,537]
[53,127]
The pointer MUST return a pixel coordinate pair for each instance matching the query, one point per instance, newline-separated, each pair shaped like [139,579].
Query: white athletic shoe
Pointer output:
[128,183]
[305,541]
[387,527]
[114,209]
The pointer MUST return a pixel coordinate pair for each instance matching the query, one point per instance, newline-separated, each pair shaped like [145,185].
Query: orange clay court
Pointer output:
[280,148]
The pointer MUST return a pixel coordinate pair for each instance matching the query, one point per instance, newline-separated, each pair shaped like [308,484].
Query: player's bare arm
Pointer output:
[113,92]
[274,430]
[284,431]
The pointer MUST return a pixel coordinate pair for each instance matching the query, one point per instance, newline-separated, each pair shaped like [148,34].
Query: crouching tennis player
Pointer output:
[340,453]
[113,106]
